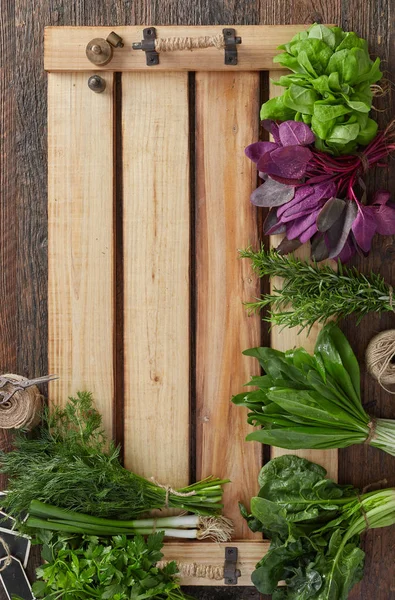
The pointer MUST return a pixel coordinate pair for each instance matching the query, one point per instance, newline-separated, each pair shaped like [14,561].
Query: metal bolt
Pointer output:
[96,49]
[97,84]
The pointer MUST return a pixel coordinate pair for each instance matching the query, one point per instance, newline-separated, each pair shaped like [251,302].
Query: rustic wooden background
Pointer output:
[23,206]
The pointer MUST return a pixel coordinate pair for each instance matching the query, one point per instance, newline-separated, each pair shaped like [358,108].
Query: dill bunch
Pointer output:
[69,462]
[310,293]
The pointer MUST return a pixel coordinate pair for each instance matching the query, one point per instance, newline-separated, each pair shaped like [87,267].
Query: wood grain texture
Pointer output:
[156,216]
[209,554]
[361,464]
[65,49]
[8,211]
[25,166]
[80,241]
[285,339]
[226,121]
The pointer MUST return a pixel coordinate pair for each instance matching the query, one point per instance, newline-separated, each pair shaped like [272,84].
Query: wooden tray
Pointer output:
[148,203]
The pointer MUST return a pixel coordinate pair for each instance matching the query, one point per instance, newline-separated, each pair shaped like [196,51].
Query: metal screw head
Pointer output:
[96,49]
[97,84]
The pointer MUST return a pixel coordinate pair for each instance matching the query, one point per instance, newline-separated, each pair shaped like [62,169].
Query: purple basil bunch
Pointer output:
[305,206]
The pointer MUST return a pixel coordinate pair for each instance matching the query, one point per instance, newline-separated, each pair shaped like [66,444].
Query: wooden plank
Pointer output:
[202,554]
[65,48]
[226,121]
[80,244]
[284,339]
[156,274]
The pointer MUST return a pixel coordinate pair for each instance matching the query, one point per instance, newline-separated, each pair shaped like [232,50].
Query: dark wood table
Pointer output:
[23,204]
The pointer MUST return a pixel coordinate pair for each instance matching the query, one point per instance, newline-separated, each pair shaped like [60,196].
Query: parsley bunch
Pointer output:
[119,568]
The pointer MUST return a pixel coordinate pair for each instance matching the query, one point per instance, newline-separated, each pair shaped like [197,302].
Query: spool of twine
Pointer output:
[380,355]
[23,409]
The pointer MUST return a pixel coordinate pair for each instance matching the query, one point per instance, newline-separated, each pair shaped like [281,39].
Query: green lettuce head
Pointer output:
[329,89]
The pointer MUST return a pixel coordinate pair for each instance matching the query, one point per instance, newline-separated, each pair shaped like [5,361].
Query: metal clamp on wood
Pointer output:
[231,573]
[148,45]
[152,46]
[99,51]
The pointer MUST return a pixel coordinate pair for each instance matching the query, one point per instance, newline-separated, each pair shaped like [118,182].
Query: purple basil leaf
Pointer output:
[302,193]
[307,196]
[271,193]
[286,246]
[364,227]
[298,227]
[381,197]
[308,234]
[337,235]
[272,128]
[318,179]
[272,224]
[319,249]
[256,150]
[286,218]
[330,212]
[385,219]
[348,251]
[295,133]
[289,162]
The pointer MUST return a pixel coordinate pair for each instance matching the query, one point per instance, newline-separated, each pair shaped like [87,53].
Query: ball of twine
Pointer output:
[379,358]
[23,409]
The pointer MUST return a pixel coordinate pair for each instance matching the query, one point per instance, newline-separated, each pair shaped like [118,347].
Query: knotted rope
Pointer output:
[215,572]
[169,490]
[379,357]
[23,409]
[8,558]
[190,43]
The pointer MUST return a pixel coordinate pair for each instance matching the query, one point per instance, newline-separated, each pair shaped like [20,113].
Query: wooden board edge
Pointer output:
[64,48]
[196,559]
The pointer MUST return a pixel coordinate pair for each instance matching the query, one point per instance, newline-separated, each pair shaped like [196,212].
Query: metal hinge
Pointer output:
[148,45]
[231,41]
[231,573]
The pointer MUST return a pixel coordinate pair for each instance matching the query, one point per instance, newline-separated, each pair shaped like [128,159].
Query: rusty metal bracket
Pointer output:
[231,42]
[148,45]
[231,573]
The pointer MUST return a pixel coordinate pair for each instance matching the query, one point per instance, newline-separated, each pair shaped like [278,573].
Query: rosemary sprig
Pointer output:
[311,293]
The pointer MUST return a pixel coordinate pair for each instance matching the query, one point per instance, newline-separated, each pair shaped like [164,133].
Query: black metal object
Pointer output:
[231,573]
[97,84]
[148,45]
[231,42]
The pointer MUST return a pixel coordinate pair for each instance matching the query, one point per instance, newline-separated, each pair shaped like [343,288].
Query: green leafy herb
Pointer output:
[117,568]
[311,293]
[306,401]
[314,525]
[70,464]
[330,87]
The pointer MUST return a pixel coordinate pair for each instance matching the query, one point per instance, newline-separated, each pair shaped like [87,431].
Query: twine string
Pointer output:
[214,572]
[8,558]
[363,511]
[379,356]
[169,490]
[364,161]
[190,43]
[372,431]
[23,407]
